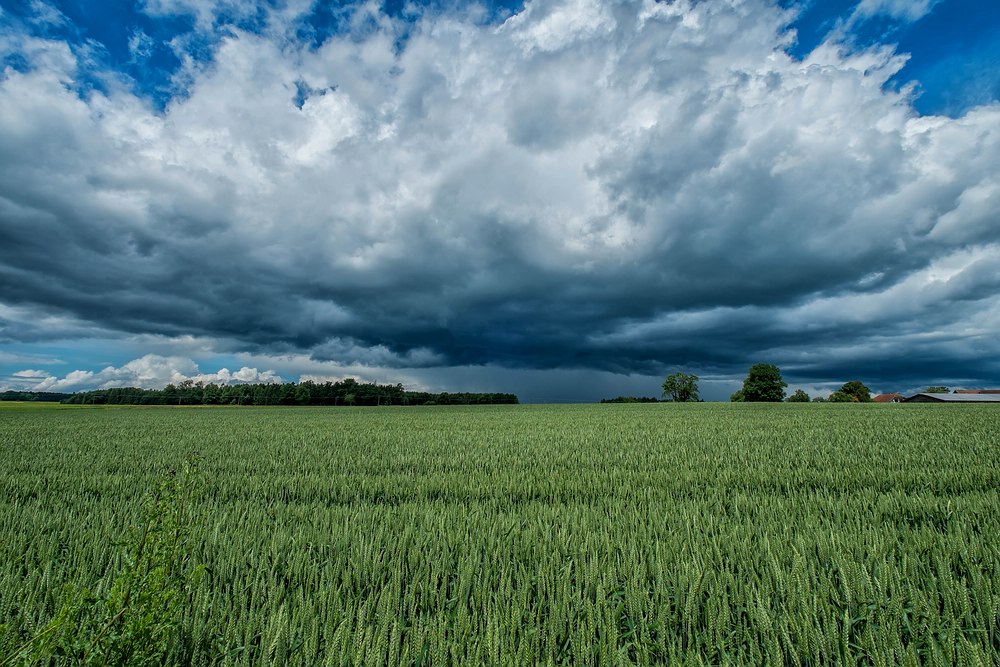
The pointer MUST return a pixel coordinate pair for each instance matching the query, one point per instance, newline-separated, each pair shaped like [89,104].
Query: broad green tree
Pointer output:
[763,384]
[799,397]
[857,391]
[936,390]
[681,387]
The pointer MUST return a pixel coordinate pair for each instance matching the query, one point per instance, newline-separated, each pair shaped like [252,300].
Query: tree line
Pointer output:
[345,392]
[633,399]
[763,384]
[34,396]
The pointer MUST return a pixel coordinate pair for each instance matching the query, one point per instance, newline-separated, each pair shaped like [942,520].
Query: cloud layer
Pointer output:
[619,186]
[149,372]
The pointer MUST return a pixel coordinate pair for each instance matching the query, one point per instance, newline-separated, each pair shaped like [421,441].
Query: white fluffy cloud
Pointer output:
[149,372]
[31,374]
[616,185]
[910,10]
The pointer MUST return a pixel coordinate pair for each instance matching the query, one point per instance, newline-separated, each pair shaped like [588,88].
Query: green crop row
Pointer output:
[522,535]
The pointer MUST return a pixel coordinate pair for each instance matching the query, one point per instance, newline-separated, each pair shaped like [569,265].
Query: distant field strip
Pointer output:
[524,535]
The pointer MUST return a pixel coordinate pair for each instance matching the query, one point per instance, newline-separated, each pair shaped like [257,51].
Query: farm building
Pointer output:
[889,398]
[977,391]
[954,398]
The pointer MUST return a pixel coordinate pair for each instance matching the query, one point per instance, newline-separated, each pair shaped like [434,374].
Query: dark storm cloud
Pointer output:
[628,187]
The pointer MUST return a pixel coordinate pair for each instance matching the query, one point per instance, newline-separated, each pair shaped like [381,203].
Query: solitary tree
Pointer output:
[856,392]
[681,387]
[799,396]
[936,390]
[763,384]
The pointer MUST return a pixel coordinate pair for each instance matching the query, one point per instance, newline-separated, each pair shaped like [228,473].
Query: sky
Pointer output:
[564,199]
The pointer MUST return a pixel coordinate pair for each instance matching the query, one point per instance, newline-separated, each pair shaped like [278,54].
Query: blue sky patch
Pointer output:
[954,50]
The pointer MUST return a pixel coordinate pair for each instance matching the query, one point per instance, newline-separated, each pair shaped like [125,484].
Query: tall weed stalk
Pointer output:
[134,616]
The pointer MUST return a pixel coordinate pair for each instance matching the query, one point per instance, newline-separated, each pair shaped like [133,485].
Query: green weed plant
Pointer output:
[132,617]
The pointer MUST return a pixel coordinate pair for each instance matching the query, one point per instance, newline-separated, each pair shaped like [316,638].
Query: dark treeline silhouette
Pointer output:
[345,392]
[38,396]
[632,399]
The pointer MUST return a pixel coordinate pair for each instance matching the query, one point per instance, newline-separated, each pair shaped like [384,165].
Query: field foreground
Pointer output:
[523,535]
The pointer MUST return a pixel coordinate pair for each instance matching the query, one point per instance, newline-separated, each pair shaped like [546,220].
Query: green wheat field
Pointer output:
[705,534]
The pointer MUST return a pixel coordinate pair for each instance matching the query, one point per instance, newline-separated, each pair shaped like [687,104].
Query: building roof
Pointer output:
[889,398]
[977,391]
[958,398]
